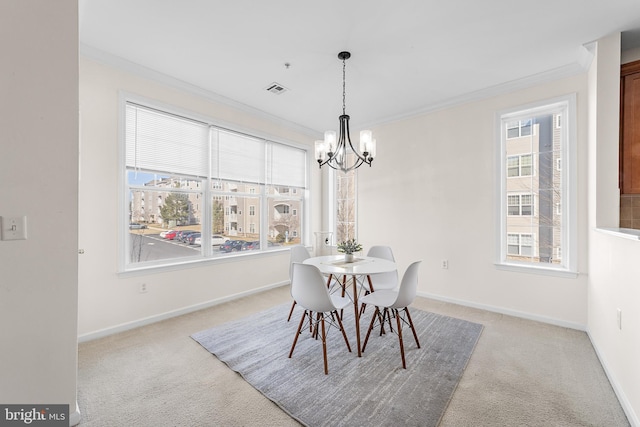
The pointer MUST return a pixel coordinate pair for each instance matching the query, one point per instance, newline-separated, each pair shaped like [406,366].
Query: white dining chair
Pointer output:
[380,281]
[395,302]
[309,290]
[298,254]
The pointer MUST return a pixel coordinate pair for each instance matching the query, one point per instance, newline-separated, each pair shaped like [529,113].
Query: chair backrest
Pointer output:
[408,286]
[388,280]
[308,288]
[298,254]
[384,252]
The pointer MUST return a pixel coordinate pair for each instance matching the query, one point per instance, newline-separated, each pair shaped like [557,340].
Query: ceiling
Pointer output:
[408,56]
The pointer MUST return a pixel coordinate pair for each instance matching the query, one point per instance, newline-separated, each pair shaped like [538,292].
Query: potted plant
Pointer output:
[348,247]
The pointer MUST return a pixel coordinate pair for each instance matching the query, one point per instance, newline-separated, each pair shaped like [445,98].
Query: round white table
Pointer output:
[335,265]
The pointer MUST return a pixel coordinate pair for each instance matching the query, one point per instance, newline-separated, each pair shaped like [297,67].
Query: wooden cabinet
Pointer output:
[630,128]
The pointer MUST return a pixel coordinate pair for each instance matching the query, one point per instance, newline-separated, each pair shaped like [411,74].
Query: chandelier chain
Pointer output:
[344,85]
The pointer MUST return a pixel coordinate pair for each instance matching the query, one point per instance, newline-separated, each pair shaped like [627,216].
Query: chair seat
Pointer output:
[380,282]
[340,302]
[381,298]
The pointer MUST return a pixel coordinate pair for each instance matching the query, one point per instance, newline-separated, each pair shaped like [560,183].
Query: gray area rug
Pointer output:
[366,391]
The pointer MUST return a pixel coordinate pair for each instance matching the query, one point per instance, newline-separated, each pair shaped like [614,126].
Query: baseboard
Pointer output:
[622,397]
[167,315]
[501,310]
[74,417]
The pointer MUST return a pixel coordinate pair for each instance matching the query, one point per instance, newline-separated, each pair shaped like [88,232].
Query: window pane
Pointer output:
[513,166]
[345,205]
[525,161]
[513,132]
[163,225]
[538,156]
[285,217]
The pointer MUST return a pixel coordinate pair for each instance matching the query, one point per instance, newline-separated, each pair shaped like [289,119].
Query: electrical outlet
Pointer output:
[143,288]
[445,264]
[619,319]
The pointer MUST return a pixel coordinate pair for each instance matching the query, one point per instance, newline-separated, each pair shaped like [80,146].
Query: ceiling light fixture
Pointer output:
[339,153]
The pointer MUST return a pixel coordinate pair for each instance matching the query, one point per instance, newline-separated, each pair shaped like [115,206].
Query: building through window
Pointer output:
[184,178]
[534,231]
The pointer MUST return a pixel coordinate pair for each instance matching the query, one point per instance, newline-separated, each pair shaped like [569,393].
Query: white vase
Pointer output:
[348,257]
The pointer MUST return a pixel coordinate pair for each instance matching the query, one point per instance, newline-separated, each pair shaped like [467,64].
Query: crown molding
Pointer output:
[165,79]
[585,56]
[582,64]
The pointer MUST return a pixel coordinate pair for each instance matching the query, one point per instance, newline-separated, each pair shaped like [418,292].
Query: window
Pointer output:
[519,165]
[533,229]
[520,204]
[518,128]
[187,177]
[345,208]
[519,244]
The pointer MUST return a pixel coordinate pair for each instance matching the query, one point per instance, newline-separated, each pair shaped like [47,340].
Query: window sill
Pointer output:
[197,263]
[557,272]
[625,233]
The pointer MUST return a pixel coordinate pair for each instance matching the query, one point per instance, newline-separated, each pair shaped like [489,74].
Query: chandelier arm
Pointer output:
[348,134]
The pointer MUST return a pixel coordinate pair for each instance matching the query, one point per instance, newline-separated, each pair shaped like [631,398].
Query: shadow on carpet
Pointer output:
[370,390]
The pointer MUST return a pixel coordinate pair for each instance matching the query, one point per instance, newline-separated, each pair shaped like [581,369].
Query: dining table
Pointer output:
[360,269]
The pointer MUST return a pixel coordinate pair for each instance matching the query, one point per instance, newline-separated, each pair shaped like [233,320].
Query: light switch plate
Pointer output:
[14,227]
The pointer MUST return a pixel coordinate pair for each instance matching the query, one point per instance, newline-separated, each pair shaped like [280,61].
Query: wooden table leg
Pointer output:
[357,314]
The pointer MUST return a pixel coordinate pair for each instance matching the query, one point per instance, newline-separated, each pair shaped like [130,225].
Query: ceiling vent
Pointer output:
[276,88]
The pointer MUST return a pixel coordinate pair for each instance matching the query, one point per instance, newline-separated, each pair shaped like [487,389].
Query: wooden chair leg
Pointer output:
[315,329]
[389,318]
[344,285]
[415,335]
[295,340]
[324,345]
[291,311]
[373,319]
[404,363]
[344,334]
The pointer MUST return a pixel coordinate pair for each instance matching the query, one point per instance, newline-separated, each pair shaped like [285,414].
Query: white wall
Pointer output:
[109,301]
[431,196]
[39,179]
[613,261]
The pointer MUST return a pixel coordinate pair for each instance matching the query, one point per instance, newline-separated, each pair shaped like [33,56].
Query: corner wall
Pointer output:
[108,300]
[431,195]
[39,180]
[613,260]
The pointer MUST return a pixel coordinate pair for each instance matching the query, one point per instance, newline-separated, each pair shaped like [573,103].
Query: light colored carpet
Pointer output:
[370,390]
[522,373]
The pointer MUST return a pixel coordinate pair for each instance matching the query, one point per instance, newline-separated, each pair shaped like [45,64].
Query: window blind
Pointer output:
[287,166]
[163,142]
[238,157]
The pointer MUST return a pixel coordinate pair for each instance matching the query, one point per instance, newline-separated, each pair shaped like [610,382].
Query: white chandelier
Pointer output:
[339,153]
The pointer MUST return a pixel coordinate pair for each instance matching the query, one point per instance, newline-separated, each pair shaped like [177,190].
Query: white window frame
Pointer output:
[565,105]
[125,267]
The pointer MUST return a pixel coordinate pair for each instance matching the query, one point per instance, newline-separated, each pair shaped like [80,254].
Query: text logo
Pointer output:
[34,415]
